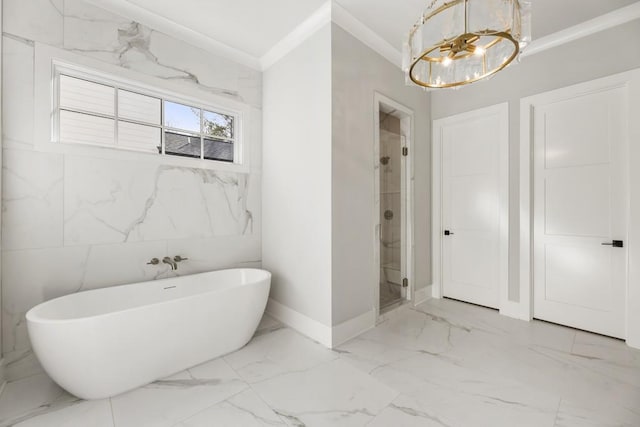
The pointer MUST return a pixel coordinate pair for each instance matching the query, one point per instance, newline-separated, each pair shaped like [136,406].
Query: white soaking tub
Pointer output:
[103,342]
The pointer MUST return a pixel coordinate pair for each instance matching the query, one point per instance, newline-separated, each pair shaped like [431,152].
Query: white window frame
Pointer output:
[49,59]
[61,68]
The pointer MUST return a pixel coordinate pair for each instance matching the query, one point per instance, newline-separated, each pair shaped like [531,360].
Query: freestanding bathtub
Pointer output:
[103,342]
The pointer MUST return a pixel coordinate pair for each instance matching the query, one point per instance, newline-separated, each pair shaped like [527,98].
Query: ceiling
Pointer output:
[548,16]
[253,27]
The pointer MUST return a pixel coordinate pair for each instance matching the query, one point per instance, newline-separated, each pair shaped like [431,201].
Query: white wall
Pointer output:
[296,243]
[586,59]
[1,359]
[633,307]
[77,218]
[358,72]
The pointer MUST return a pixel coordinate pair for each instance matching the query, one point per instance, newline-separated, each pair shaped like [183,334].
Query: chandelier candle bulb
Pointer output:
[456,39]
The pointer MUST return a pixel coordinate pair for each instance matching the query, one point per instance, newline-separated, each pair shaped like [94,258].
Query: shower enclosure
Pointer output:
[391,211]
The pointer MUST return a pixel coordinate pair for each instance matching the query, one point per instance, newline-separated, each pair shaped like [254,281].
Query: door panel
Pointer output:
[580,202]
[474,193]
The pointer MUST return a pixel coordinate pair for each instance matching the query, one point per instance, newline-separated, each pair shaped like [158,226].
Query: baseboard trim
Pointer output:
[352,328]
[513,310]
[301,323]
[423,295]
[330,337]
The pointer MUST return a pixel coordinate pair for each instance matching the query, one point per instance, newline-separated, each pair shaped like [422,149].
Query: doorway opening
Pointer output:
[393,242]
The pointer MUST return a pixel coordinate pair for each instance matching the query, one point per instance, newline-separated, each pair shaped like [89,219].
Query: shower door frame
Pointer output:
[407,267]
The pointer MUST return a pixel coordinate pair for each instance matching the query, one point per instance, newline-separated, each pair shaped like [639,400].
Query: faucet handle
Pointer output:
[154,261]
[178,258]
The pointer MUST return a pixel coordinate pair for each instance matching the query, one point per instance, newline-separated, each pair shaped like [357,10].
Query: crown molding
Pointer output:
[584,29]
[167,26]
[333,12]
[366,35]
[307,28]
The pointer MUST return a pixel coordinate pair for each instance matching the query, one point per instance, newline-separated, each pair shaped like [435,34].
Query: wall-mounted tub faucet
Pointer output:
[168,260]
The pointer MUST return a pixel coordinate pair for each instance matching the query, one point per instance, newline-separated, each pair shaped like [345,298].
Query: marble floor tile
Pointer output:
[574,415]
[331,394]
[443,363]
[31,396]
[173,399]
[83,413]
[277,353]
[440,390]
[243,409]
[400,416]
[598,347]
[267,325]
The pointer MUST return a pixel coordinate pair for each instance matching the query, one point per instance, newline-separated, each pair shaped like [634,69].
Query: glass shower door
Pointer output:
[391,272]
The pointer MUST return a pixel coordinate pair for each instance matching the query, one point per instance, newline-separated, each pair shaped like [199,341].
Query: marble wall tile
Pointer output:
[21,364]
[105,200]
[109,201]
[121,264]
[30,277]
[37,20]
[75,222]
[31,199]
[255,134]
[118,40]
[215,253]
[17,88]
[93,31]
[212,74]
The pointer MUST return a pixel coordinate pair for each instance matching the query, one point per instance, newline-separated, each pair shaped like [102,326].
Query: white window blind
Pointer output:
[97,111]
[140,108]
[139,137]
[82,95]
[84,128]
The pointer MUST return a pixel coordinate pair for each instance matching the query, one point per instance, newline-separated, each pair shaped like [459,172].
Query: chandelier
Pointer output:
[458,42]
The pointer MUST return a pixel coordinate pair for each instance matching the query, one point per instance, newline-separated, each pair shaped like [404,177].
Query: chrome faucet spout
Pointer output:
[168,260]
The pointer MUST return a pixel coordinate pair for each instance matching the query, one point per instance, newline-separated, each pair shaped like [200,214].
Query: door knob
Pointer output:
[615,244]
[448,233]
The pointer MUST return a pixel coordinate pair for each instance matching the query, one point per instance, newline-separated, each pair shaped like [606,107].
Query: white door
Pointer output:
[580,209]
[474,204]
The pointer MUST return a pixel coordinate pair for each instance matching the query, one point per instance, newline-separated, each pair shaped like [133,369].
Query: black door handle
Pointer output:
[615,244]
[448,233]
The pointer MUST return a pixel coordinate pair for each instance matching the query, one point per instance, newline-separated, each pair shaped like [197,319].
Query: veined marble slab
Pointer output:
[108,201]
[118,40]
[492,372]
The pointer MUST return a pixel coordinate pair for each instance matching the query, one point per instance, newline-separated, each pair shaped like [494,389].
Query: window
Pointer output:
[98,111]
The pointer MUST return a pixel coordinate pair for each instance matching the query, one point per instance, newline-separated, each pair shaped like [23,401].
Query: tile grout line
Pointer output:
[555,420]
[255,391]
[209,407]
[573,342]
[113,416]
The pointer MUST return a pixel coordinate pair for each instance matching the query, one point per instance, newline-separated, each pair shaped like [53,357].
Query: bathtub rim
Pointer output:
[32,317]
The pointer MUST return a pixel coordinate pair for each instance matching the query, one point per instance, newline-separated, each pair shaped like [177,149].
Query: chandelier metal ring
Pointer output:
[458,42]
[499,37]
